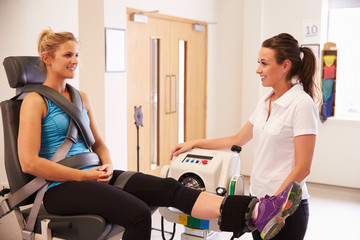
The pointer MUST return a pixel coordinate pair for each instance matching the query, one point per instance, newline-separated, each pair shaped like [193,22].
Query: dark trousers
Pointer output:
[128,208]
[295,225]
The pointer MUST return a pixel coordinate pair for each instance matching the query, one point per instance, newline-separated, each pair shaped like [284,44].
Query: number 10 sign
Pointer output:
[311,31]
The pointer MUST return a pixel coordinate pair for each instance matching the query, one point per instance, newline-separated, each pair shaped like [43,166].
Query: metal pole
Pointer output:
[138,149]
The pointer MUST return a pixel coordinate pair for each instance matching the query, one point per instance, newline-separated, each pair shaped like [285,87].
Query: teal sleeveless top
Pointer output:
[54,127]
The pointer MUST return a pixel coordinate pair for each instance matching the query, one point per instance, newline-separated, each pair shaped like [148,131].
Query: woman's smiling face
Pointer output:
[64,61]
[271,73]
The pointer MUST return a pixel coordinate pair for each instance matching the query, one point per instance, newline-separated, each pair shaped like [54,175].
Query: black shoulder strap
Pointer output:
[74,110]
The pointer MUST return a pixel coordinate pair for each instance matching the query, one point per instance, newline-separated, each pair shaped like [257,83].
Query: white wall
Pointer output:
[20,24]
[224,76]
[92,62]
[250,83]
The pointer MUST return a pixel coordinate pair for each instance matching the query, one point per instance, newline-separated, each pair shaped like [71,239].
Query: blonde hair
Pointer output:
[49,41]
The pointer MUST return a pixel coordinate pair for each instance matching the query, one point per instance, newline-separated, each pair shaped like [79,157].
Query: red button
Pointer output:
[204,161]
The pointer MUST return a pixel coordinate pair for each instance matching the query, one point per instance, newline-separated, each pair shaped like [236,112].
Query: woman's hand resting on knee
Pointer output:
[101,174]
[106,173]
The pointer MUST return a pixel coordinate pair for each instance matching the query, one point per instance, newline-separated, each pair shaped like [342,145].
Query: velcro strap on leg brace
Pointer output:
[249,226]
[233,210]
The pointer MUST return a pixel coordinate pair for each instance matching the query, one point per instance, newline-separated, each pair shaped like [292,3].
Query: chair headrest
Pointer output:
[21,70]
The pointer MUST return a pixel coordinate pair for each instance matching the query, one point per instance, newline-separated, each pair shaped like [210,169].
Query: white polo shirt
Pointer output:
[293,114]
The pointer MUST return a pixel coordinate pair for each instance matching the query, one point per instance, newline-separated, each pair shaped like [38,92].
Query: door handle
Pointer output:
[174,103]
[168,94]
[172,85]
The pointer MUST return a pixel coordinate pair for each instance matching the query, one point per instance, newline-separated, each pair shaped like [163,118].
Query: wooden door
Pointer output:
[156,139]
[195,76]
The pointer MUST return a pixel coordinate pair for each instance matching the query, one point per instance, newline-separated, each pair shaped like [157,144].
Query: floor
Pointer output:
[334,214]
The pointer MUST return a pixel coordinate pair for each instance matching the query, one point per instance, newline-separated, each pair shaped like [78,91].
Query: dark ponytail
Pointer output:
[303,61]
[307,71]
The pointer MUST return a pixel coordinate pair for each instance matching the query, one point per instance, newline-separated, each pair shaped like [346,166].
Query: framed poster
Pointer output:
[115,46]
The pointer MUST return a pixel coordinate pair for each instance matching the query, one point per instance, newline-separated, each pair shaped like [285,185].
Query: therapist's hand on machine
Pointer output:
[182,147]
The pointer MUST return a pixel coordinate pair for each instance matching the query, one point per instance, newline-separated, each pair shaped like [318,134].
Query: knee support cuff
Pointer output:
[236,213]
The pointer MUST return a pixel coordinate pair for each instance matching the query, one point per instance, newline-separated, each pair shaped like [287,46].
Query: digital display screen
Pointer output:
[196,158]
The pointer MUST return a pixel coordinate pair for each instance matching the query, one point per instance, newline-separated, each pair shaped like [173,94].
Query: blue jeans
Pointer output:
[295,225]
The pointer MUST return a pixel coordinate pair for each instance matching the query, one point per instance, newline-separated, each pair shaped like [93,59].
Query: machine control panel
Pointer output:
[197,159]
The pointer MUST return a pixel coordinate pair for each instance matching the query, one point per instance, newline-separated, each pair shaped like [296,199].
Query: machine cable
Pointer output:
[163,232]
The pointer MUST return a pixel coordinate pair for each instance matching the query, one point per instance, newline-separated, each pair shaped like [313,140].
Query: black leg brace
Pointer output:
[236,213]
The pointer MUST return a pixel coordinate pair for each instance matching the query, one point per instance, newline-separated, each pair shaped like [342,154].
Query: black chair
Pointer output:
[21,71]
